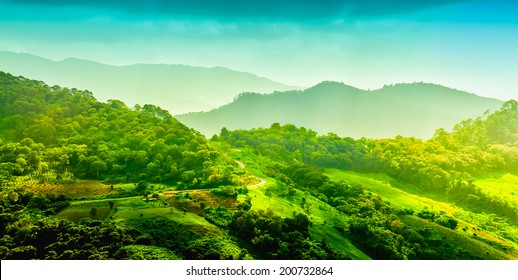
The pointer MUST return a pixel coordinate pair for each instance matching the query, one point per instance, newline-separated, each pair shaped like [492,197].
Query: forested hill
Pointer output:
[448,163]
[497,129]
[466,180]
[416,109]
[58,134]
[177,88]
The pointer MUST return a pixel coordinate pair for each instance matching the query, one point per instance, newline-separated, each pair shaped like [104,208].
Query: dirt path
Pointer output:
[262,181]
[241,165]
[103,199]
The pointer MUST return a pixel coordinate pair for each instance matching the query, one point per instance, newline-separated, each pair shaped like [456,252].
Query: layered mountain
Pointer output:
[177,88]
[416,109]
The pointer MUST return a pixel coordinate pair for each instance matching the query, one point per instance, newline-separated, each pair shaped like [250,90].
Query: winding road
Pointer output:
[262,181]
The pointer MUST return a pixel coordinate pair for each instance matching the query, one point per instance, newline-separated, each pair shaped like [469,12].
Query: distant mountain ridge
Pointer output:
[177,88]
[416,109]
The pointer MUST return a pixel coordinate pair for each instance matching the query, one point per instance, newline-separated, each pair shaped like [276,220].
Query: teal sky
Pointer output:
[470,45]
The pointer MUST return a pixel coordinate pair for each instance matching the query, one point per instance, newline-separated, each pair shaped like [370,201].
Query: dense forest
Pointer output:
[55,134]
[83,179]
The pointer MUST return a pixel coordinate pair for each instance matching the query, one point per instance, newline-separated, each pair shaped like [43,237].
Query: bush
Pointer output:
[219,216]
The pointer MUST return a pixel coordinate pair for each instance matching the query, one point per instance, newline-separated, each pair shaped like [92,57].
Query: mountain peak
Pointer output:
[332,86]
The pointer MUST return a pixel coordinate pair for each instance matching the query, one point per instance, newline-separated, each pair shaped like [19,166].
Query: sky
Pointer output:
[469,45]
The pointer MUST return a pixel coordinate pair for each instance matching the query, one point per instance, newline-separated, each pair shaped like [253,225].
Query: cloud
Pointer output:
[290,10]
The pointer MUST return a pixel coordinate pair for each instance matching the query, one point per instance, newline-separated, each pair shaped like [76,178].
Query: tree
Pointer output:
[142,187]
[224,132]
[98,166]
[93,212]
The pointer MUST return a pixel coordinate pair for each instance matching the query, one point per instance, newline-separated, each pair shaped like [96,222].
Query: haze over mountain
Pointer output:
[416,109]
[176,88]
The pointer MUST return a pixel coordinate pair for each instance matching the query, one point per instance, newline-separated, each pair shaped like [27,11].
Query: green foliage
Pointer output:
[32,235]
[447,167]
[141,187]
[49,203]
[276,238]
[58,135]
[439,218]
[163,232]
[219,216]
[54,134]
[447,163]
[225,191]
[216,248]
[143,252]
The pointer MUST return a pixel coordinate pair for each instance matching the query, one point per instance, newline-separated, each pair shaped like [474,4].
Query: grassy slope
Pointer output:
[504,186]
[322,216]
[403,195]
[473,245]
[390,189]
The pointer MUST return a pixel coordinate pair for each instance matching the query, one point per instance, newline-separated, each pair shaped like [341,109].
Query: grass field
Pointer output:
[191,220]
[384,186]
[142,252]
[76,214]
[504,186]
[336,241]
[125,209]
[83,209]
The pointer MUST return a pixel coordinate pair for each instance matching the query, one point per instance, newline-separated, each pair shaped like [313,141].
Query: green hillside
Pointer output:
[404,109]
[54,134]
[342,207]
[83,179]
[462,181]
[176,88]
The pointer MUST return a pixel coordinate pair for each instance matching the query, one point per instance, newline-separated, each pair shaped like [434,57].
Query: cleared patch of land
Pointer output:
[73,190]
